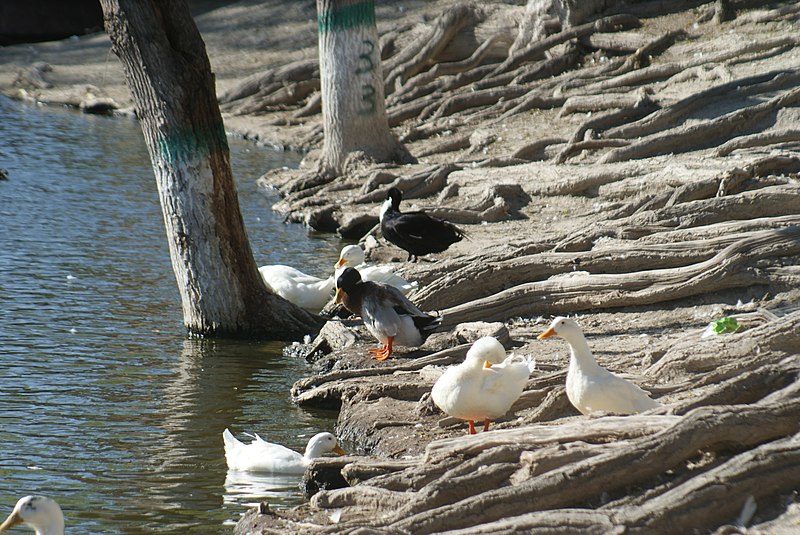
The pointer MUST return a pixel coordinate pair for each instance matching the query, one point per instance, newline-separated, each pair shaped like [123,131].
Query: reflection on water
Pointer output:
[253,488]
[105,404]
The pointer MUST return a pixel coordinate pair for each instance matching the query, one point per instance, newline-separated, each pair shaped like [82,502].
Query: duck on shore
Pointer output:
[484,386]
[388,315]
[40,513]
[590,387]
[305,291]
[353,256]
[263,456]
[415,232]
[313,293]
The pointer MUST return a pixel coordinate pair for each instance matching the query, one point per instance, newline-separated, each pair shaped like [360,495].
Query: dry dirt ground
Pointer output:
[639,174]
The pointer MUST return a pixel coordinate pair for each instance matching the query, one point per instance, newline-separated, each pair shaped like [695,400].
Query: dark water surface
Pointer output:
[105,405]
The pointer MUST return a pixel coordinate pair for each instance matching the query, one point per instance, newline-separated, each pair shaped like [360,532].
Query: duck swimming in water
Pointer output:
[263,456]
[590,387]
[416,232]
[387,314]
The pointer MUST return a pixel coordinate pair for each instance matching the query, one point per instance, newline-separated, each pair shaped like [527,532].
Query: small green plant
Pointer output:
[725,325]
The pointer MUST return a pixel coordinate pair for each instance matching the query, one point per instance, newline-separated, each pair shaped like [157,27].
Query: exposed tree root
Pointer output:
[731,268]
[665,444]
[664,71]
[740,88]
[402,67]
[702,135]
[613,23]
[685,236]
[766,202]
[758,140]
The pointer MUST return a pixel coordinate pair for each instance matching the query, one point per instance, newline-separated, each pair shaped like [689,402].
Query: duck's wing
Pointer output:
[427,221]
[509,377]
[386,275]
[615,394]
[382,296]
[381,310]
[280,272]
[413,225]
[501,386]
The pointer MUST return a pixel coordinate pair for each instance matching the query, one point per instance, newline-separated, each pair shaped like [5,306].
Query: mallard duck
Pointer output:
[305,291]
[40,513]
[353,256]
[484,386]
[416,232]
[387,314]
[590,387]
[263,456]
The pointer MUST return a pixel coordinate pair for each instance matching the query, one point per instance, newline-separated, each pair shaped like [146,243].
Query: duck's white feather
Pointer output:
[263,456]
[590,387]
[353,256]
[305,291]
[470,391]
[606,392]
[313,293]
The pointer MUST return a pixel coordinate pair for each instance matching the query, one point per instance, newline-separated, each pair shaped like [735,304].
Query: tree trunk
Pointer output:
[353,104]
[170,78]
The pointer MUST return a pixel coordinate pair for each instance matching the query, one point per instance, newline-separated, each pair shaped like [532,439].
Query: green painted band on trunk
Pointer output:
[188,145]
[346,17]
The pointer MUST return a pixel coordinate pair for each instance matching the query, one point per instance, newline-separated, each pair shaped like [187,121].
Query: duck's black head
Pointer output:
[395,195]
[348,280]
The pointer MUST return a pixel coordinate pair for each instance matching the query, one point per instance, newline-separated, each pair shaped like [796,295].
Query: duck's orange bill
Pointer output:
[547,334]
[487,364]
[339,451]
[340,263]
[11,521]
[339,296]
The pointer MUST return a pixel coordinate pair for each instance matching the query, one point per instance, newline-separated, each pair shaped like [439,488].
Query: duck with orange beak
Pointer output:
[484,386]
[590,387]
[353,256]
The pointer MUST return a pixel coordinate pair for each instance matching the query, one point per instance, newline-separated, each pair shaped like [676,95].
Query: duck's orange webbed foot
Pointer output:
[381,354]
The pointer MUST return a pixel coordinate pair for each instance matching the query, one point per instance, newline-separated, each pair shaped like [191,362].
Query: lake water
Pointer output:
[105,404]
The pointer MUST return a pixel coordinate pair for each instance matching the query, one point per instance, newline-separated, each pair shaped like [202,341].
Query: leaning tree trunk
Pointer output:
[353,104]
[170,77]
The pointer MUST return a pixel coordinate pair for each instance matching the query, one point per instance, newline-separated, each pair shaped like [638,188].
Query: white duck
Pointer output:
[305,291]
[263,456]
[484,386]
[38,512]
[313,293]
[353,256]
[590,387]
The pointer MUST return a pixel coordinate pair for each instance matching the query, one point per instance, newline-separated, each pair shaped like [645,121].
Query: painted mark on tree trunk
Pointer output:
[365,69]
[191,145]
[366,58]
[346,17]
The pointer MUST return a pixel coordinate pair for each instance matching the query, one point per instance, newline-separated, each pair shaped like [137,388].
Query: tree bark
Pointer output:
[170,78]
[353,103]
